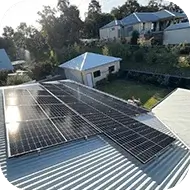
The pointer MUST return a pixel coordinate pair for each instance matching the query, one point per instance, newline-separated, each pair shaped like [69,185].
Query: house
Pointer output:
[64,135]
[90,68]
[5,63]
[177,34]
[152,23]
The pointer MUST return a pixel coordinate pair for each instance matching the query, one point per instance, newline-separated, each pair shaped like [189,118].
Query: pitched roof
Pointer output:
[5,63]
[140,17]
[113,23]
[178,26]
[94,163]
[88,60]
[174,111]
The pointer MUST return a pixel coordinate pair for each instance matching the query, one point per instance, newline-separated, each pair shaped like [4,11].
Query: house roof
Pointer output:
[140,17]
[179,26]
[94,163]
[174,111]
[88,61]
[113,23]
[5,63]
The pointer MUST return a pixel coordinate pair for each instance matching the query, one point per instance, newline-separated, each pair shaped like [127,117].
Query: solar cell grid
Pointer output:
[28,136]
[74,127]
[15,92]
[57,110]
[23,113]
[67,99]
[19,101]
[39,93]
[122,106]
[127,132]
[47,100]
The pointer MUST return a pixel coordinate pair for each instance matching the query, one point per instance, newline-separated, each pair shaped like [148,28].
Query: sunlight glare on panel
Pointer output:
[12,114]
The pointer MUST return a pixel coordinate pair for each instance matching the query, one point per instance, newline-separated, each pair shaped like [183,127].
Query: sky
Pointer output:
[12,12]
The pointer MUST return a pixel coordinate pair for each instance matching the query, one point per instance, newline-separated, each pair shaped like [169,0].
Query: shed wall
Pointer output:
[73,75]
[104,70]
[177,36]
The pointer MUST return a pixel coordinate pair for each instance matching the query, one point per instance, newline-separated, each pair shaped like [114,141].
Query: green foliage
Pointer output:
[3,78]
[139,55]
[41,70]
[135,37]
[18,79]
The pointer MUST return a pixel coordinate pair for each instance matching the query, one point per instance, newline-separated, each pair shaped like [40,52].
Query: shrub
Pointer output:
[139,55]
[135,37]
[3,78]
[18,79]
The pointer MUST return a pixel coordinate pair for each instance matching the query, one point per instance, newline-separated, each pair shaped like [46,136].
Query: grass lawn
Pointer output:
[149,94]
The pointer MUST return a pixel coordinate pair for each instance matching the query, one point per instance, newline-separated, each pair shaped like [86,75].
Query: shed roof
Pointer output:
[5,63]
[174,111]
[88,61]
[96,163]
[179,26]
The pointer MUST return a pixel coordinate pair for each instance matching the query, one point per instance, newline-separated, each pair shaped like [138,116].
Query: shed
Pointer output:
[5,63]
[177,33]
[90,68]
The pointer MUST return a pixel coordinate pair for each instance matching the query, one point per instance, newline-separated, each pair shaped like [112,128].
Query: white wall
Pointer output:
[104,70]
[109,33]
[177,36]
[73,75]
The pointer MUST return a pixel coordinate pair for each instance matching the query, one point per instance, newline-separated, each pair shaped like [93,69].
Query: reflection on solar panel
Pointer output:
[58,110]
[138,139]
[29,116]
[122,106]
[23,113]
[28,136]
[73,127]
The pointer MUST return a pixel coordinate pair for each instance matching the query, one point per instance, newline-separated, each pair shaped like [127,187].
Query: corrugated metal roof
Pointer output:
[113,23]
[5,63]
[174,111]
[96,163]
[88,61]
[179,26]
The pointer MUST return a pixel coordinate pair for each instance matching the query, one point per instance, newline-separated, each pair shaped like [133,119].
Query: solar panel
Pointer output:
[47,100]
[57,110]
[142,141]
[23,113]
[122,106]
[39,92]
[30,127]
[28,136]
[19,100]
[74,127]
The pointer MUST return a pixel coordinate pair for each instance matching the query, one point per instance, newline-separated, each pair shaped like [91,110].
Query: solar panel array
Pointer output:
[67,111]
[142,141]
[36,119]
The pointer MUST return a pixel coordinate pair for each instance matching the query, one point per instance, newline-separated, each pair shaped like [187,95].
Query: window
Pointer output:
[111,69]
[97,73]
[113,29]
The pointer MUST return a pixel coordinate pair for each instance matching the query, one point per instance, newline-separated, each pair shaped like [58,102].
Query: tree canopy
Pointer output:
[61,28]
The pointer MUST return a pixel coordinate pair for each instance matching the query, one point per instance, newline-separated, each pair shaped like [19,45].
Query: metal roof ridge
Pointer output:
[137,17]
[169,12]
[83,62]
